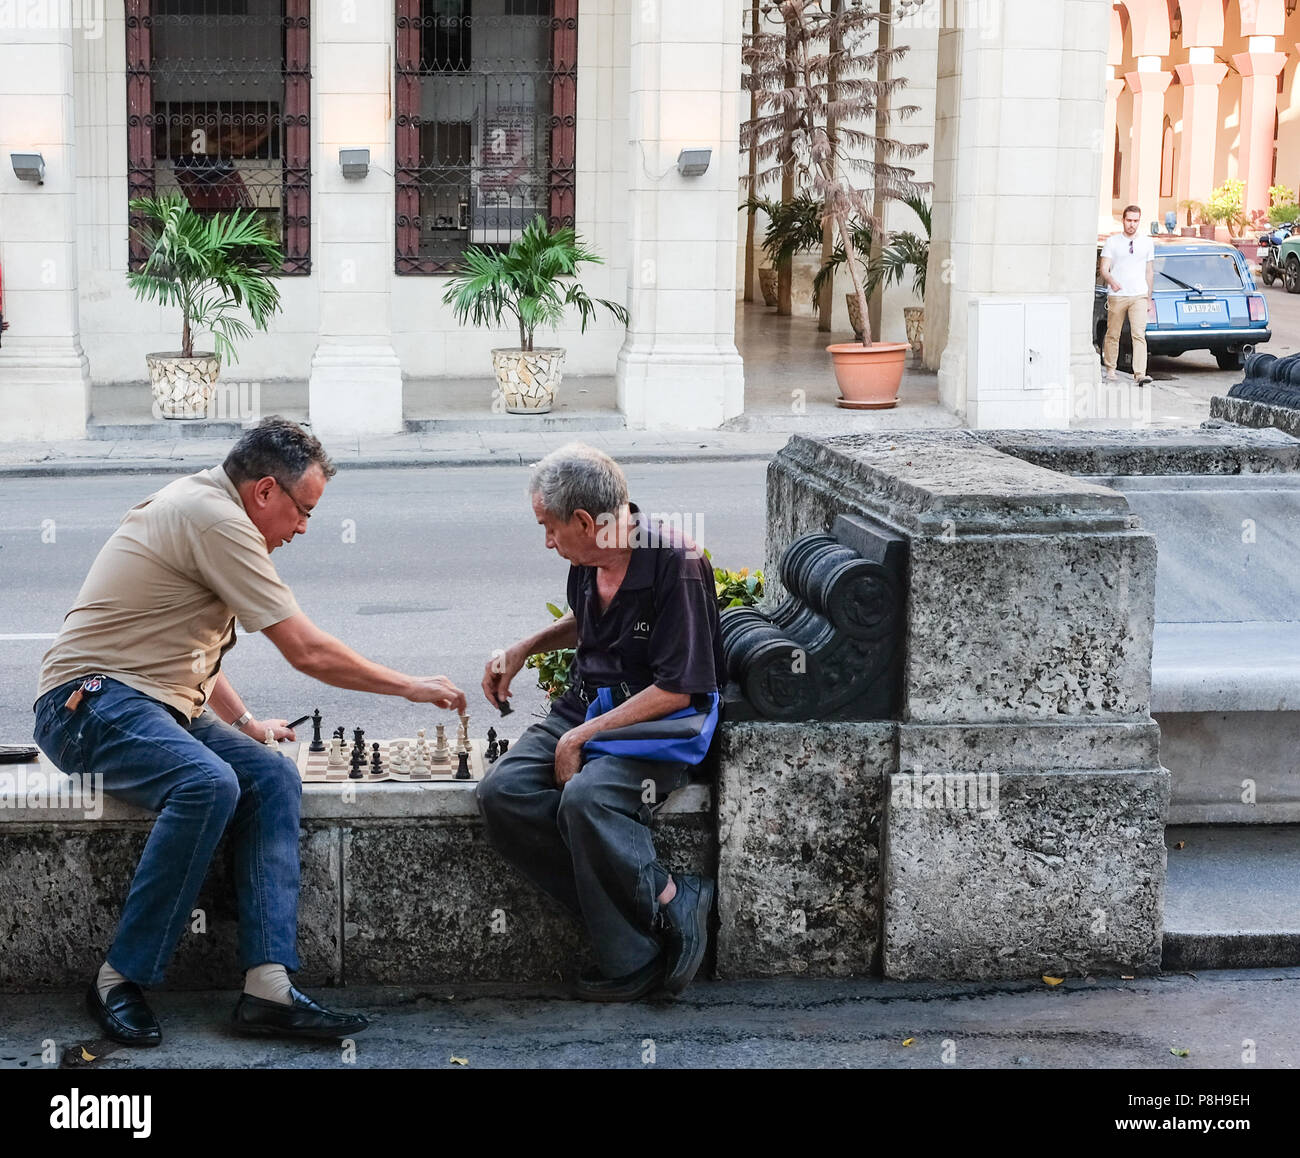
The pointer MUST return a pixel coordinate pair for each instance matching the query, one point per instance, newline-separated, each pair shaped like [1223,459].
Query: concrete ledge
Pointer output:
[1226,667]
[1244,412]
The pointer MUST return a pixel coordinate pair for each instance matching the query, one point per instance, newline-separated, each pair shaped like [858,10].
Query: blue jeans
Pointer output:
[201,777]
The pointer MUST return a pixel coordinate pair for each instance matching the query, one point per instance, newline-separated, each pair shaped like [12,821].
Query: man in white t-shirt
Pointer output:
[1128,269]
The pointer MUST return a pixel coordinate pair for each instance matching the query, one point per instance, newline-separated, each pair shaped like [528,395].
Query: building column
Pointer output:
[44,376]
[1106,219]
[1015,205]
[356,376]
[1148,83]
[679,368]
[1259,68]
[1200,78]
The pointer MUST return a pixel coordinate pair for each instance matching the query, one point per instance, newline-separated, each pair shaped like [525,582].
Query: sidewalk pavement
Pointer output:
[449,448]
[1243,1020]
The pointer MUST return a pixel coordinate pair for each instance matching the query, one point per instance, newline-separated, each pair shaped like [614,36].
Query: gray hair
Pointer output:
[578,477]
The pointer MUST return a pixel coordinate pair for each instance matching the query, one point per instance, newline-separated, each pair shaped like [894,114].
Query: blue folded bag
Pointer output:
[680,738]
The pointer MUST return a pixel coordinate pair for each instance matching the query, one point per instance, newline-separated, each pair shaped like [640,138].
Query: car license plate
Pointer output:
[1202,307]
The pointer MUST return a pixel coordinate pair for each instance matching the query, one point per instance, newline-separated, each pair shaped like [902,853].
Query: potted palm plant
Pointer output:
[828,65]
[526,283]
[793,227]
[907,250]
[209,267]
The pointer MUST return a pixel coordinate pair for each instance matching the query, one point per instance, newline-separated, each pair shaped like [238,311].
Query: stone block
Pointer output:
[799,808]
[61,893]
[1062,875]
[430,902]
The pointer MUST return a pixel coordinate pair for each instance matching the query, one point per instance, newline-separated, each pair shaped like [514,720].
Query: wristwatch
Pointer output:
[239,723]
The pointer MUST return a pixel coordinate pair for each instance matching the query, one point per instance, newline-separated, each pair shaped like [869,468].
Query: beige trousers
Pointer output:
[1119,307]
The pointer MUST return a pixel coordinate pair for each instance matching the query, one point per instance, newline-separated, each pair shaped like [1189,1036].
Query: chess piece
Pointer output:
[376,764]
[504,745]
[336,753]
[359,741]
[462,766]
[440,752]
[492,735]
[341,734]
[317,744]
[492,750]
[358,764]
[270,738]
[503,706]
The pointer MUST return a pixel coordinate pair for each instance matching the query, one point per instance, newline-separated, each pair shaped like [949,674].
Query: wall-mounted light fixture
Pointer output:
[693,162]
[354,162]
[28,167]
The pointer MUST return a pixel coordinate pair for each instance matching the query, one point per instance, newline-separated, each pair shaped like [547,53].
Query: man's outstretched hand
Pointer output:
[437,690]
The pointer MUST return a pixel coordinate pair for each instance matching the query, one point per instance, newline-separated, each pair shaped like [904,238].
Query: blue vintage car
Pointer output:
[1205,299]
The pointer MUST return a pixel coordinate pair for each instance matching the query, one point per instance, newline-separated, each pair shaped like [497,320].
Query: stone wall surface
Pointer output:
[1246,412]
[799,809]
[1064,876]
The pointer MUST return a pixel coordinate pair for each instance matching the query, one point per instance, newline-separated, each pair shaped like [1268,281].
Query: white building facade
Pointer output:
[478,114]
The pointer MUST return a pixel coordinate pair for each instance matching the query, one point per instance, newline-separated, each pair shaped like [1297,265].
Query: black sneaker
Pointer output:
[685,924]
[593,985]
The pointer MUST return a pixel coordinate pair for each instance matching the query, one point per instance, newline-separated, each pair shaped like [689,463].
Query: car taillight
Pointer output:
[1258,308]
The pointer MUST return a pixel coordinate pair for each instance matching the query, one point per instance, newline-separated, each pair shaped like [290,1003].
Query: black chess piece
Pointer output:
[359,741]
[317,744]
[358,765]
[493,750]
[376,764]
[492,735]
[341,733]
[462,768]
[503,706]
[504,745]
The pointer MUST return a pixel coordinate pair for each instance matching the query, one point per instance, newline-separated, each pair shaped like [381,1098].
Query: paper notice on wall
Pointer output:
[504,173]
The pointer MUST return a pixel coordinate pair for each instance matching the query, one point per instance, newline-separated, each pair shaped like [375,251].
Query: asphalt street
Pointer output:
[426,570]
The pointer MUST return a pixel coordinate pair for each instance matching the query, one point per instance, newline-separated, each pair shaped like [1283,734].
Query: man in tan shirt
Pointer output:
[132,691]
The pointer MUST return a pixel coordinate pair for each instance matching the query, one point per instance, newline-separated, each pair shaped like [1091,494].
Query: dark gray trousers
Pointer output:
[588,845]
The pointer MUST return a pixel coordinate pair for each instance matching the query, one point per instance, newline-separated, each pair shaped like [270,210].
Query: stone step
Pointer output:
[1232,897]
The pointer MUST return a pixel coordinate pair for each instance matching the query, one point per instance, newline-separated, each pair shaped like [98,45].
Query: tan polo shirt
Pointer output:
[157,610]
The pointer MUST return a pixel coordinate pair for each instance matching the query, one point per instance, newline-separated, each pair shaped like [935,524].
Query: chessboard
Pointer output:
[315,769]
[415,759]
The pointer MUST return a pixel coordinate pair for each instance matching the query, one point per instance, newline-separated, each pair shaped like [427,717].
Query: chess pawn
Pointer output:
[376,764]
[336,753]
[270,738]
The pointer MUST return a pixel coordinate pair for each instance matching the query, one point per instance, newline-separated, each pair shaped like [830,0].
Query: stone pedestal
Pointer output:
[1022,824]
[354,390]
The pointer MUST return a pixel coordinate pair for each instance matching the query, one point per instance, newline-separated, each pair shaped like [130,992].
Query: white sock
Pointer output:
[270,983]
[107,978]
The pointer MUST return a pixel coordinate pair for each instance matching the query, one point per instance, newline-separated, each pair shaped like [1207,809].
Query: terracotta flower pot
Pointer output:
[183,387]
[528,378]
[767,277]
[868,376]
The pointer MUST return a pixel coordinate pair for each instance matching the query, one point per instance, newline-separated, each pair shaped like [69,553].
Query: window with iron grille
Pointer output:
[486,108]
[219,109]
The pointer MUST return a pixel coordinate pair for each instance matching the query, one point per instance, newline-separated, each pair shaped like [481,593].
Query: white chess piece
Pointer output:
[440,755]
[270,738]
[336,753]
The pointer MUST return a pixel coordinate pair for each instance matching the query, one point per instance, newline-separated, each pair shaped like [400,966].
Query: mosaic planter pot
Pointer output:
[183,387]
[767,284]
[528,378]
[914,319]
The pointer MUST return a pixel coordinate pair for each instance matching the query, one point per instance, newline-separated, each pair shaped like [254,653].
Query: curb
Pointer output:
[73,468]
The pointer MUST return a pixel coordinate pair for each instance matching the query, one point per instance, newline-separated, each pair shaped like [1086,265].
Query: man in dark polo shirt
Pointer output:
[644,620]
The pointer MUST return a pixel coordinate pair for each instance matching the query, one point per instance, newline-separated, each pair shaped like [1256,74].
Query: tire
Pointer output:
[1291,274]
[1231,359]
[1268,273]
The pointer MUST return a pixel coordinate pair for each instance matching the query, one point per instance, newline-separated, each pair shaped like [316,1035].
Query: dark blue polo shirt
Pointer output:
[660,628]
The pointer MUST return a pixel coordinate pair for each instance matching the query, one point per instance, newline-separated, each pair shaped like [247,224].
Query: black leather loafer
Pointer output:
[685,924]
[303,1018]
[124,1015]
[593,985]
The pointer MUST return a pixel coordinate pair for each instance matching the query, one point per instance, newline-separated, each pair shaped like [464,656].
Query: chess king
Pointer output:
[644,620]
[132,691]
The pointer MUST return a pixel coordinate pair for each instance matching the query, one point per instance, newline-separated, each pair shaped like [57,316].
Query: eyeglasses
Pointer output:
[306,514]
[1130,245]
